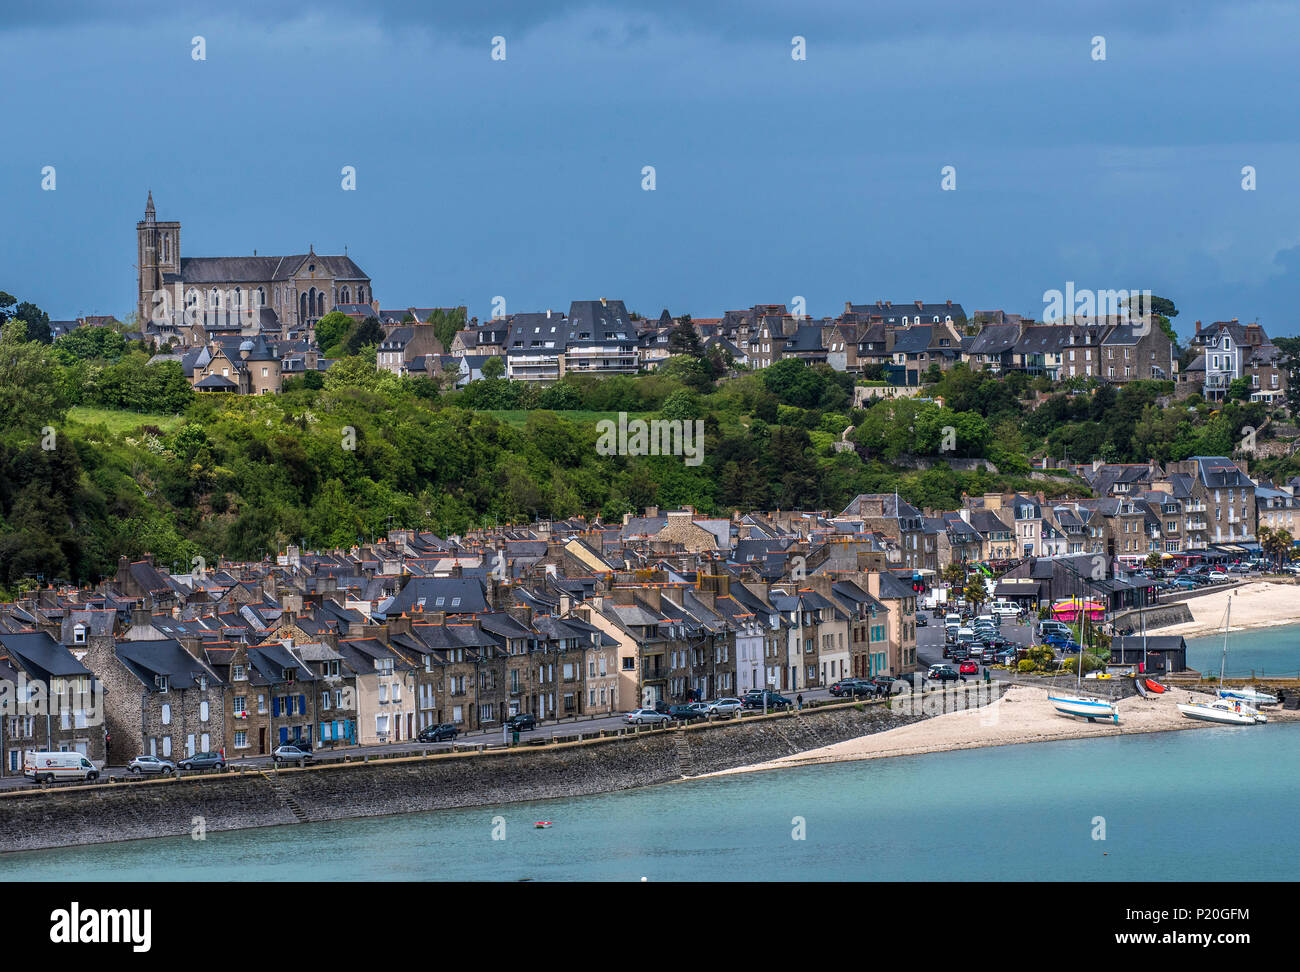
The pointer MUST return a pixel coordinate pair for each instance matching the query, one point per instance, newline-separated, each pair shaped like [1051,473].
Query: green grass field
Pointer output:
[119,421]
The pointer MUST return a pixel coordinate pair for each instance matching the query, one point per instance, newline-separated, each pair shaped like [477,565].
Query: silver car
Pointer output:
[725,706]
[639,717]
[150,764]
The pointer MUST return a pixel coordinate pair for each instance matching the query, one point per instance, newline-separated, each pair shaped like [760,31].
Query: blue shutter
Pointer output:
[284,735]
[302,705]
[275,705]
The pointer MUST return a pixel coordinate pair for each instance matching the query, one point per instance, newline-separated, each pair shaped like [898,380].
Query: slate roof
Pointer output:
[41,656]
[256,269]
[147,659]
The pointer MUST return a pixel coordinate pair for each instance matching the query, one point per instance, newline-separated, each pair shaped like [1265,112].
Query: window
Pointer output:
[241,705]
[383,693]
[261,704]
[79,635]
[203,711]
[629,664]
[238,674]
[397,691]
[161,682]
[324,700]
[166,714]
[241,739]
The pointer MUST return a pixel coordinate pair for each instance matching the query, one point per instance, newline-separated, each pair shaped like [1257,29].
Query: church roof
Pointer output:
[254,269]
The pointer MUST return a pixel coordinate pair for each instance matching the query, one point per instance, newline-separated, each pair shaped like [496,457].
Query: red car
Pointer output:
[969,668]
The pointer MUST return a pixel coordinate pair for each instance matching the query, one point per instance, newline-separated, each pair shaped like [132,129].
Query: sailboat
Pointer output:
[1225,709]
[1089,707]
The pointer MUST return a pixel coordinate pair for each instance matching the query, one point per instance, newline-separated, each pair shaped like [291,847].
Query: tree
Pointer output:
[369,332]
[1239,390]
[683,339]
[30,397]
[976,593]
[331,329]
[38,322]
[446,322]
[494,367]
[1153,560]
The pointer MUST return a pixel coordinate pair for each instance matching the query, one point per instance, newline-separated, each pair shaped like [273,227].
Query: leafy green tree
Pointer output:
[366,334]
[88,344]
[681,405]
[446,322]
[494,367]
[331,330]
[30,397]
[1239,389]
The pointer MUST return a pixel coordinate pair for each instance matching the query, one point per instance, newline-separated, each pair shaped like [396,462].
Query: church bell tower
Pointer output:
[158,257]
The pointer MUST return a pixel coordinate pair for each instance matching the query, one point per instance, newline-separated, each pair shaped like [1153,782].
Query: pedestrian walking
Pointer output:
[799,699]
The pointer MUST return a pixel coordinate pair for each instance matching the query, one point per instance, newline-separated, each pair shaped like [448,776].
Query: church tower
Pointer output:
[158,257]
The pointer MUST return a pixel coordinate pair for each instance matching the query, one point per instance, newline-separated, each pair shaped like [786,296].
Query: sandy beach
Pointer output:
[1022,715]
[1261,604]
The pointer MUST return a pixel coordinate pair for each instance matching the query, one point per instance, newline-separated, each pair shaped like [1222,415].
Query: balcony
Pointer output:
[1197,525]
[1196,506]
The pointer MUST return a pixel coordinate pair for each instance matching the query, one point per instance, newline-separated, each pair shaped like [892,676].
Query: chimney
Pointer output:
[848,306]
[651,511]
[949,302]
[602,302]
[1198,327]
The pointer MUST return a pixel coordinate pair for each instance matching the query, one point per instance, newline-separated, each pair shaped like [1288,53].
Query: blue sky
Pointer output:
[775,178]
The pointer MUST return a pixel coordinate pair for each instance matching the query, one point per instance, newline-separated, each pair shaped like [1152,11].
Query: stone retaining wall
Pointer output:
[60,815]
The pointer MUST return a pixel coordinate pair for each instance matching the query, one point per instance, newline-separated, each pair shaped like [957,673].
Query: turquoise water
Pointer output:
[1268,651]
[1177,805]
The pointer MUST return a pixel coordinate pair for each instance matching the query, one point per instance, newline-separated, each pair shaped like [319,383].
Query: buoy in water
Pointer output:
[542,824]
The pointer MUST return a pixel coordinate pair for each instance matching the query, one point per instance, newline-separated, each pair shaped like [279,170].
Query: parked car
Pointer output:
[521,722]
[851,686]
[687,713]
[438,733]
[202,761]
[943,673]
[968,668]
[754,700]
[921,621]
[725,706]
[1218,577]
[640,717]
[291,754]
[150,764]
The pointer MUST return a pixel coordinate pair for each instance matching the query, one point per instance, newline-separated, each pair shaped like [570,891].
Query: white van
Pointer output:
[1004,608]
[952,619]
[47,767]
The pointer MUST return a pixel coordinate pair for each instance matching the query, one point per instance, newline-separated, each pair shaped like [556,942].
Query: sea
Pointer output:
[1257,651]
[1139,807]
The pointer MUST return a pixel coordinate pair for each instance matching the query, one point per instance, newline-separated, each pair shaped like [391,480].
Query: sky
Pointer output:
[774,178]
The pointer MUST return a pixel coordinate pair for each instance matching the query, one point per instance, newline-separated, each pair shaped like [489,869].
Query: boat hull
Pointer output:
[1085,707]
[1223,714]
[1248,695]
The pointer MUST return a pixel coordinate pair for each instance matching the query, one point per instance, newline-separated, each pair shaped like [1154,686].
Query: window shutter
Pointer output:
[302,705]
[275,705]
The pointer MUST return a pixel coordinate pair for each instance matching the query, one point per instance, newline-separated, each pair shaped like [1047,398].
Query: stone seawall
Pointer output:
[1157,616]
[61,816]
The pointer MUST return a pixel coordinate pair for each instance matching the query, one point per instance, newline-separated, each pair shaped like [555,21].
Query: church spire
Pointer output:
[148,207]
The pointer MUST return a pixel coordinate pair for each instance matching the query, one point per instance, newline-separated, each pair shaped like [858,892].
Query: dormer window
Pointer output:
[160,681]
[79,635]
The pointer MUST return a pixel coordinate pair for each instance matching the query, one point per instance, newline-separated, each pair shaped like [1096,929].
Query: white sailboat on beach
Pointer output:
[1231,710]
[1089,707]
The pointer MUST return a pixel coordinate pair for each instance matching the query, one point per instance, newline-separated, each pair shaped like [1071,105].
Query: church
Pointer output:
[194,298]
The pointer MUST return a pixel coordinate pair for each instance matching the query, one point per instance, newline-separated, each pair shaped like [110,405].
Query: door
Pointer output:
[261,741]
[410,722]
